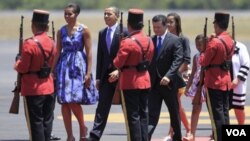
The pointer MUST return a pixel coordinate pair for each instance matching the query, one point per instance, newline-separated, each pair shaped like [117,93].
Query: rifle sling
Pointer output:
[46,59]
[143,54]
[219,65]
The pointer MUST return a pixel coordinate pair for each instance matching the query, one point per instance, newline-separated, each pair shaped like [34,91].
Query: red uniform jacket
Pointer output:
[130,54]
[215,53]
[32,60]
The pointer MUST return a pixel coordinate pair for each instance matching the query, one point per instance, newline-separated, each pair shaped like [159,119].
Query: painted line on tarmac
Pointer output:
[164,117]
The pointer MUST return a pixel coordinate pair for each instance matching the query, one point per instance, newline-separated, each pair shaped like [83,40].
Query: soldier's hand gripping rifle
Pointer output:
[14,107]
[197,97]
[117,94]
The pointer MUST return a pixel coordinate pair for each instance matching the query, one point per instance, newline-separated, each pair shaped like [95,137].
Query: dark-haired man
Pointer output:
[108,45]
[163,70]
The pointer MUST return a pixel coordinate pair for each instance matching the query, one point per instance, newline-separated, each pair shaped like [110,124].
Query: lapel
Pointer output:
[115,39]
[155,45]
[164,45]
[104,40]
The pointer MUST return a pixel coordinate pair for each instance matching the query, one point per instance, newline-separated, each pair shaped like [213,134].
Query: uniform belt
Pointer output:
[32,72]
[212,66]
[128,67]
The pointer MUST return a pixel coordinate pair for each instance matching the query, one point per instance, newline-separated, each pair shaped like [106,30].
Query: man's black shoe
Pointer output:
[54,138]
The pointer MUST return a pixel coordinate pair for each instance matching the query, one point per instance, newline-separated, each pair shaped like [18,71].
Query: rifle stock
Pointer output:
[14,107]
[117,94]
[197,97]
[121,27]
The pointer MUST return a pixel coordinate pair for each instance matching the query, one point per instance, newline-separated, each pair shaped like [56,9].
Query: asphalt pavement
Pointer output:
[13,126]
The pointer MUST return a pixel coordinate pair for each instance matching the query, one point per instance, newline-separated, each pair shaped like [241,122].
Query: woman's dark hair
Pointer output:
[177,19]
[160,18]
[76,7]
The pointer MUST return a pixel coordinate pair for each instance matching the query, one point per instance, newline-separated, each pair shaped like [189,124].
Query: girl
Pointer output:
[191,88]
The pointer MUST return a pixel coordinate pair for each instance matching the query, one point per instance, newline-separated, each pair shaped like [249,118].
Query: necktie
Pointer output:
[108,38]
[158,46]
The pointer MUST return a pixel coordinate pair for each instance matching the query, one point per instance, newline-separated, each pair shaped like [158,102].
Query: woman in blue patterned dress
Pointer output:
[74,82]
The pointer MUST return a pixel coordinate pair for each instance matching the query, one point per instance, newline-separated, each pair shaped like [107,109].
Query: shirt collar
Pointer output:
[163,35]
[113,27]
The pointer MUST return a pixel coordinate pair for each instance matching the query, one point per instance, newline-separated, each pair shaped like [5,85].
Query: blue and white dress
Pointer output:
[71,69]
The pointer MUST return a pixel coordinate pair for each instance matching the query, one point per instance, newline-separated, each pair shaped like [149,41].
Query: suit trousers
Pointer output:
[136,113]
[168,94]
[218,108]
[39,111]
[106,93]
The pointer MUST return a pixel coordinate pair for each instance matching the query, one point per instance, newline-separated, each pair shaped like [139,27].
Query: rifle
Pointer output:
[197,97]
[53,31]
[149,28]
[121,27]
[117,94]
[14,107]
[233,29]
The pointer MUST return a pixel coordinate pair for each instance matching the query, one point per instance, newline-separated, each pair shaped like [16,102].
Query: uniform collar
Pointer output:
[39,33]
[135,32]
[222,33]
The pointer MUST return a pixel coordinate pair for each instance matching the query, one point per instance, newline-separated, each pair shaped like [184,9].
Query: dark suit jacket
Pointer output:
[169,59]
[104,58]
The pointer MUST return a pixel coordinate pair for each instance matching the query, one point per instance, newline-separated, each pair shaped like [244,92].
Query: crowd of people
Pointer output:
[154,66]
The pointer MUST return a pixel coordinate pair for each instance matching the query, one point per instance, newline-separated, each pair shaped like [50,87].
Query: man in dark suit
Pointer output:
[108,45]
[163,72]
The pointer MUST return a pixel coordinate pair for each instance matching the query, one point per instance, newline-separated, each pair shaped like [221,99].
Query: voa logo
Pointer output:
[236,132]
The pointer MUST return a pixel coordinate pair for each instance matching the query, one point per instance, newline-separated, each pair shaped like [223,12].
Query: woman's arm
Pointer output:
[88,49]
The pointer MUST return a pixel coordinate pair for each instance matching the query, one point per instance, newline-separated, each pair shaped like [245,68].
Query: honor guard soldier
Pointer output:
[133,59]
[216,59]
[37,87]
